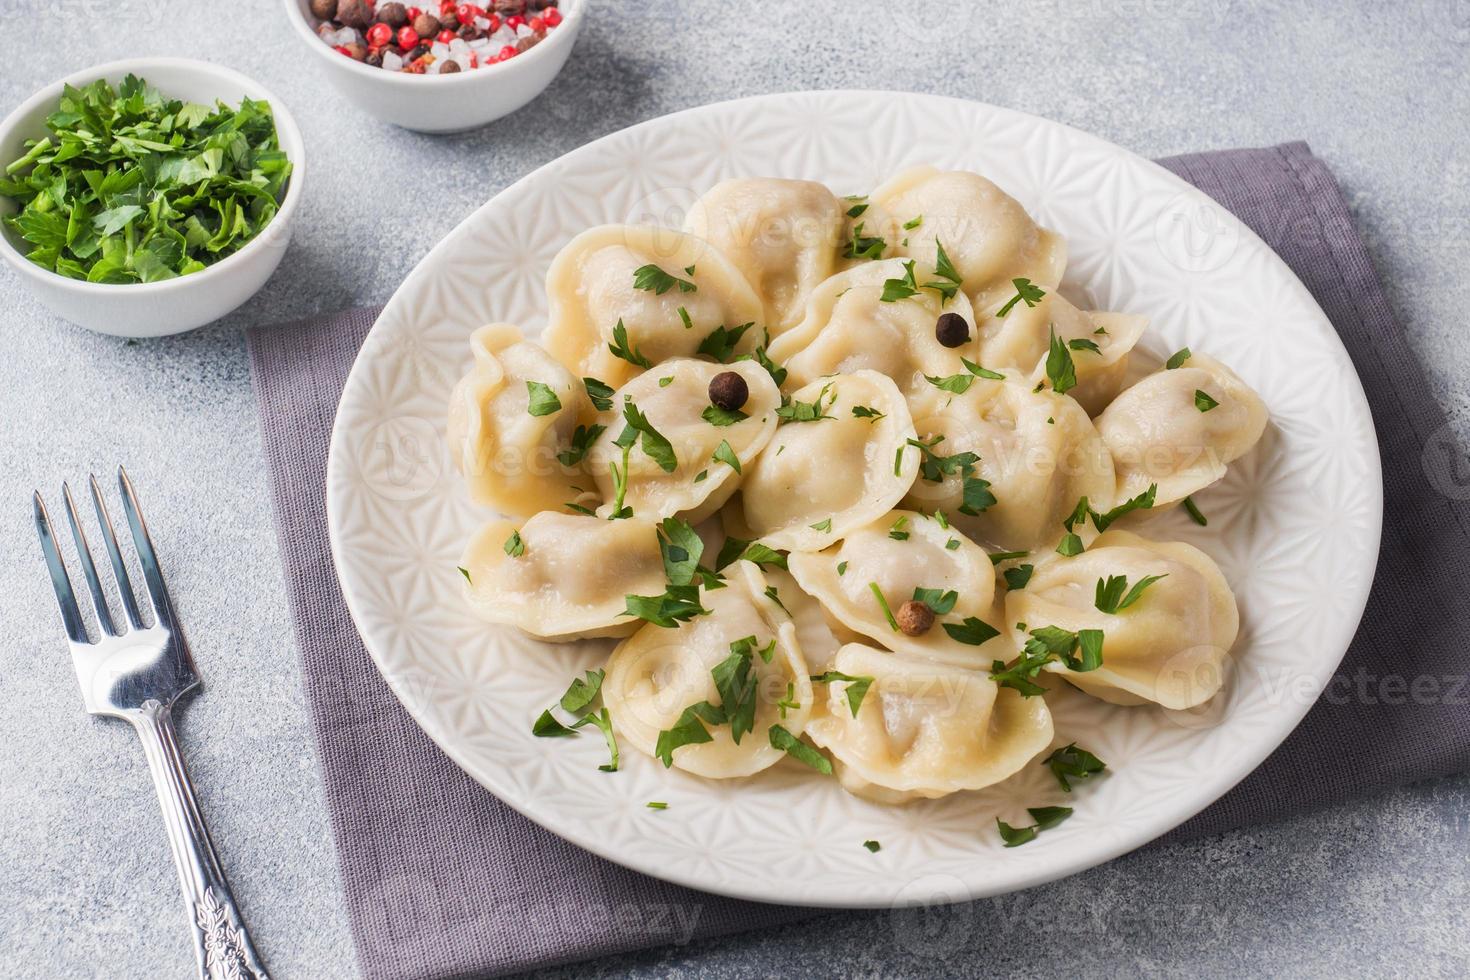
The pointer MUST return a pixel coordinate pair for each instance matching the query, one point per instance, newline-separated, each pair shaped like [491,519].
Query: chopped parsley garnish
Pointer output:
[789,702]
[724,454]
[856,211]
[872,846]
[655,280]
[599,393]
[620,348]
[1060,370]
[971,631]
[1144,501]
[897,289]
[1082,343]
[546,726]
[1177,359]
[514,546]
[603,721]
[897,532]
[736,684]
[541,399]
[822,525]
[583,691]
[722,417]
[864,412]
[583,439]
[841,569]
[1046,818]
[775,596]
[680,547]
[759,355]
[736,549]
[799,750]
[619,478]
[721,343]
[1018,577]
[749,644]
[1195,514]
[949,281]
[688,730]
[941,519]
[665,382]
[795,411]
[466,573]
[913,223]
[1110,597]
[701,476]
[678,604]
[577,701]
[1080,652]
[862,246]
[977,496]
[656,805]
[1203,401]
[1070,762]
[856,690]
[1026,292]
[940,602]
[951,544]
[650,440]
[686,319]
[883,604]
[1070,546]
[1001,556]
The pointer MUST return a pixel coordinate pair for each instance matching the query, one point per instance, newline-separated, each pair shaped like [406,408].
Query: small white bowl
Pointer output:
[444,103]
[154,309]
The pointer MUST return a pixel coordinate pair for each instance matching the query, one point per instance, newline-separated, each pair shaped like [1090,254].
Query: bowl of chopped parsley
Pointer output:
[150,196]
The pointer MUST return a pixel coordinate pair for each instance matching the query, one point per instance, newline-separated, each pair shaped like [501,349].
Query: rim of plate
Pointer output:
[1166,816]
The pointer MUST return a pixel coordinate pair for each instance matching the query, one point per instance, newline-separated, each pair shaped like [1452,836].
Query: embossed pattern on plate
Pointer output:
[1294,526]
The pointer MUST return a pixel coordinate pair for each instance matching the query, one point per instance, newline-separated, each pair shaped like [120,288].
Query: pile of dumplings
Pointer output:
[908,451]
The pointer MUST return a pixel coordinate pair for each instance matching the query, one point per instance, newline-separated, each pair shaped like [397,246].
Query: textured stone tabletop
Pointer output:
[1381,91]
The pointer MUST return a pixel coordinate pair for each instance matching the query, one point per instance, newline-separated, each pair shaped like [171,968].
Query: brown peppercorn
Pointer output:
[374,58]
[354,13]
[468,31]
[509,8]
[951,330]
[357,51]
[449,68]
[426,25]
[416,54]
[728,390]
[324,9]
[395,15]
[527,43]
[915,618]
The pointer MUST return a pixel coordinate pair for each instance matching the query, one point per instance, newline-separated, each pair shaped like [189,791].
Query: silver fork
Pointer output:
[137,674]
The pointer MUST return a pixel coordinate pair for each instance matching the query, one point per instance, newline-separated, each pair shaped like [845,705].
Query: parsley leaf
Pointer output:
[897,532]
[724,454]
[862,246]
[883,604]
[1046,818]
[1071,762]
[1018,577]
[1083,343]
[688,730]
[514,546]
[913,223]
[864,412]
[722,417]
[897,289]
[600,393]
[736,685]
[603,721]
[822,525]
[795,411]
[1195,514]
[1144,501]
[940,602]
[583,439]
[1026,293]
[1060,370]
[872,846]
[678,604]
[737,549]
[620,348]
[971,631]
[1177,359]
[1203,401]
[1109,595]
[546,726]
[583,691]
[856,690]
[466,573]
[946,271]
[759,355]
[799,750]
[650,440]
[655,280]
[721,342]
[542,400]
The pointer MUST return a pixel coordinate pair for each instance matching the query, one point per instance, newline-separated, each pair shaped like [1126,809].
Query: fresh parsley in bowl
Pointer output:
[148,196]
[133,186]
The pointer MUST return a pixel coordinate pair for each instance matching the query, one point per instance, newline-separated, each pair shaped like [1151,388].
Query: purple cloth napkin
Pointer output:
[443,880]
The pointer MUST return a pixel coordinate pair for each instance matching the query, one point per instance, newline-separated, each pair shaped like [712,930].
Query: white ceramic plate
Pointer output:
[1294,526]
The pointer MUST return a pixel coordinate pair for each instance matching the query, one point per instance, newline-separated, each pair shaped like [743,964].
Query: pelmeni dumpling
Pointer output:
[657,673]
[508,455]
[899,554]
[1038,451]
[986,233]
[869,233]
[848,327]
[783,235]
[1160,431]
[817,480]
[562,576]
[1021,340]
[925,729]
[675,400]
[818,637]
[591,285]
[1169,646]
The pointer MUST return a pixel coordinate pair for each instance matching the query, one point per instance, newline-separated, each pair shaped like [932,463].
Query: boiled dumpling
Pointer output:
[1038,453]
[925,729]
[510,418]
[1021,341]
[783,235]
[1161,431]
[818,637]
[907,556]
[987,234]
[657,673]
[817,480]
[562,576]
[1168,646]
[675,400]
[640,277]
[848,327]
[869,233]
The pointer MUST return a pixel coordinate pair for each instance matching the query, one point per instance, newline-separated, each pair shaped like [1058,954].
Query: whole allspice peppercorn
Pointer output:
[914,618]
[449,68]
[728,390]
[951,330]
[324,9]
[357,51]
[426,25]
[395,15]
[354,13]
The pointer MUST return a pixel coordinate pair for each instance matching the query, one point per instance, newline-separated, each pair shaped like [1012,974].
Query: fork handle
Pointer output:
[222,947]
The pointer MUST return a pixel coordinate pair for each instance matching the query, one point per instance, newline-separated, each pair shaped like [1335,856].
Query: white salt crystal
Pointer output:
[439,50]
[391,61]
[458,46]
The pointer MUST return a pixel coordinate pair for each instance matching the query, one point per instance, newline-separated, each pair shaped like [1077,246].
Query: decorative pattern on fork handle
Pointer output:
[138,673]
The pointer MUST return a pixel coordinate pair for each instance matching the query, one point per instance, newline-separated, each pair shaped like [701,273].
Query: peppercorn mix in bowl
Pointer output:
[442,67]
[150,196]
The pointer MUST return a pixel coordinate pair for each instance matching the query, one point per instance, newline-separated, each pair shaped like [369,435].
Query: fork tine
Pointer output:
[119,569]
[157,591]
[65,598]
[89,570]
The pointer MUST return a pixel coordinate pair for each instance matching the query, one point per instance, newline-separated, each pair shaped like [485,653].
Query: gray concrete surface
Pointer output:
[86,888]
